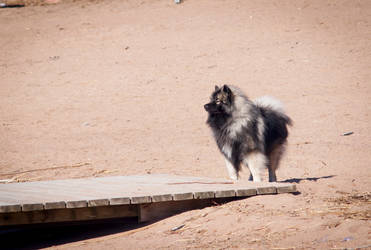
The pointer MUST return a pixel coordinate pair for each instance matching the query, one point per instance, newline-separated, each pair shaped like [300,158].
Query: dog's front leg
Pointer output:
[232,171]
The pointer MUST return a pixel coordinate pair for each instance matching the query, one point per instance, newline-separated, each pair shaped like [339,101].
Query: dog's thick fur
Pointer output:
[250,133]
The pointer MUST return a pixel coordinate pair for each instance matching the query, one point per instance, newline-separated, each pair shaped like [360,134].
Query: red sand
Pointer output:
[96,88]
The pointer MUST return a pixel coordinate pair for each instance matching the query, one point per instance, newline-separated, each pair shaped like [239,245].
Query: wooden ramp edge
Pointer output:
[147,197]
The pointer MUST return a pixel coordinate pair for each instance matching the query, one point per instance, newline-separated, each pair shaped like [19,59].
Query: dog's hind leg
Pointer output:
[256,162]
[274,161]
[232,171]
[250,177]
[272,175]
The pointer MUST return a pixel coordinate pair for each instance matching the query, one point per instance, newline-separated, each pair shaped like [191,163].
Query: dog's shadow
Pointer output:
[298,180]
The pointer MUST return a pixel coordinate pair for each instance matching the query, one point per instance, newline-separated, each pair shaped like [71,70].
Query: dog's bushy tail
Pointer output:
[270,103]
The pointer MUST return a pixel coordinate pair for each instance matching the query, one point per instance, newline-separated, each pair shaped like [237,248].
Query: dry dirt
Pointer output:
[97,88]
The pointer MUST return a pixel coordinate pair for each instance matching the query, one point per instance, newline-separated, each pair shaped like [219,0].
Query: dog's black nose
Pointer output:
[206,106]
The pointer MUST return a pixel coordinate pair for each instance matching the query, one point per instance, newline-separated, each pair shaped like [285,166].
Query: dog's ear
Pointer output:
[216,88]
[226,89]
[227,93]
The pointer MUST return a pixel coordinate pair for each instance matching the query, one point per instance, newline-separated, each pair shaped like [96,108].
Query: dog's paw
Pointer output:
[233,177]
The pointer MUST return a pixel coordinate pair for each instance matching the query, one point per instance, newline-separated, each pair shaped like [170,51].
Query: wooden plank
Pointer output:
[245,192]
[98,202]
[119,201]
[161,198]
[76,204]
[32,207]
[266,190]
[10,208]
[204,195]
[286,189]
[55,205]
[183,196]
[225,193]
[140,199]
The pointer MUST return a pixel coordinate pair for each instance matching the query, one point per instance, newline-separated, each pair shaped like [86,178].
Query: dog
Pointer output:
[250,133]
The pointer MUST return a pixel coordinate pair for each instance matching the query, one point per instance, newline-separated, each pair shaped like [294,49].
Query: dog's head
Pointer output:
[220,100]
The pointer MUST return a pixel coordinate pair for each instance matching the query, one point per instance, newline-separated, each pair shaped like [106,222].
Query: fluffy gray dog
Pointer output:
[250,133]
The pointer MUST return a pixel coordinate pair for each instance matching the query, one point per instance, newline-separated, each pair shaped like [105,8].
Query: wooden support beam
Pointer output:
[68,215]
[160,210]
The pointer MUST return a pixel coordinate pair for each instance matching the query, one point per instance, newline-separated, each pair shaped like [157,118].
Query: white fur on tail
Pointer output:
[270,102]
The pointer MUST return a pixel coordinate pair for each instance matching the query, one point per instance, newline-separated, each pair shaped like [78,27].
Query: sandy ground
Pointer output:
[97,88]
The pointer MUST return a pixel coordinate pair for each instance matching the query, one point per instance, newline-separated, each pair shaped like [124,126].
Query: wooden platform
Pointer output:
[146,197]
